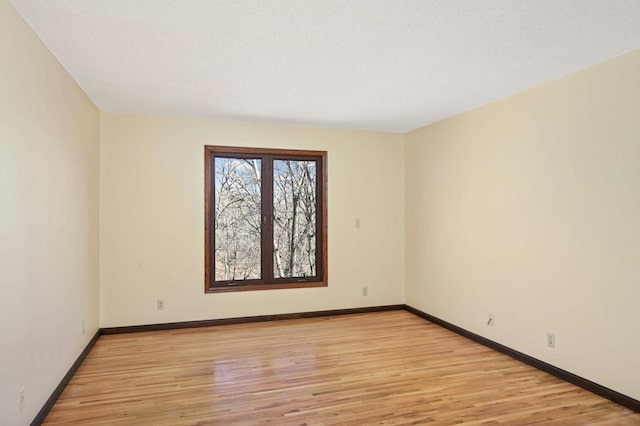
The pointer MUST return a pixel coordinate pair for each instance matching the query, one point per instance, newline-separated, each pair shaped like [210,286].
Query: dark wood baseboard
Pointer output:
[42,414]
[617,397]
[244,320]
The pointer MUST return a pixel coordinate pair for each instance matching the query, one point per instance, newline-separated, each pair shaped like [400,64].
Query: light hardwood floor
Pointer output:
[387,368]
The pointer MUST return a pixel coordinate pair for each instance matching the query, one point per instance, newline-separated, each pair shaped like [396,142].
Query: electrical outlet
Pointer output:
[20,400]
[160,305]
[491,320]
[551,340]
[365,291]
[84,330]
[357,222]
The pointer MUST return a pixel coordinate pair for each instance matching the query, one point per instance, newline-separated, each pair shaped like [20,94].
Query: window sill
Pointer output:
[256,287]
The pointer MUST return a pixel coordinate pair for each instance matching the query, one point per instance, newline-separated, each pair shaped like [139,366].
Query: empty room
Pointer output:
[340,212]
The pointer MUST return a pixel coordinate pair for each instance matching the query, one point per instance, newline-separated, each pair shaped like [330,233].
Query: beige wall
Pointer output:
[152,219]
[529,208]
[49,134]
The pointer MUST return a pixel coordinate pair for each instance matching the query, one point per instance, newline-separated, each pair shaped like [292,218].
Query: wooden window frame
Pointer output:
[321,278]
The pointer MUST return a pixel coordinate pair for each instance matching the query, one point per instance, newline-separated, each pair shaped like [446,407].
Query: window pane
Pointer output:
[237,219]
[294,218]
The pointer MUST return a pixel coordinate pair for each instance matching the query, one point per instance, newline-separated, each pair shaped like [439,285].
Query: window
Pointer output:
[265,218]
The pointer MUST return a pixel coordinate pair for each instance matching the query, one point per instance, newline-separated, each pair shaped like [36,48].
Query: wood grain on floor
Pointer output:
[385,368]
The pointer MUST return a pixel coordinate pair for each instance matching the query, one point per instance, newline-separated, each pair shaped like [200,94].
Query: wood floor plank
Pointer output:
[385,368]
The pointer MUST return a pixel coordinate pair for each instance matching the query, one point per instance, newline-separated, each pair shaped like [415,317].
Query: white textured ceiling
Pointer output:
[391,65]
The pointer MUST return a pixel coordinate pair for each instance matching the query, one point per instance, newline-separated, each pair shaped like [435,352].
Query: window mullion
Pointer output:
[267,218]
